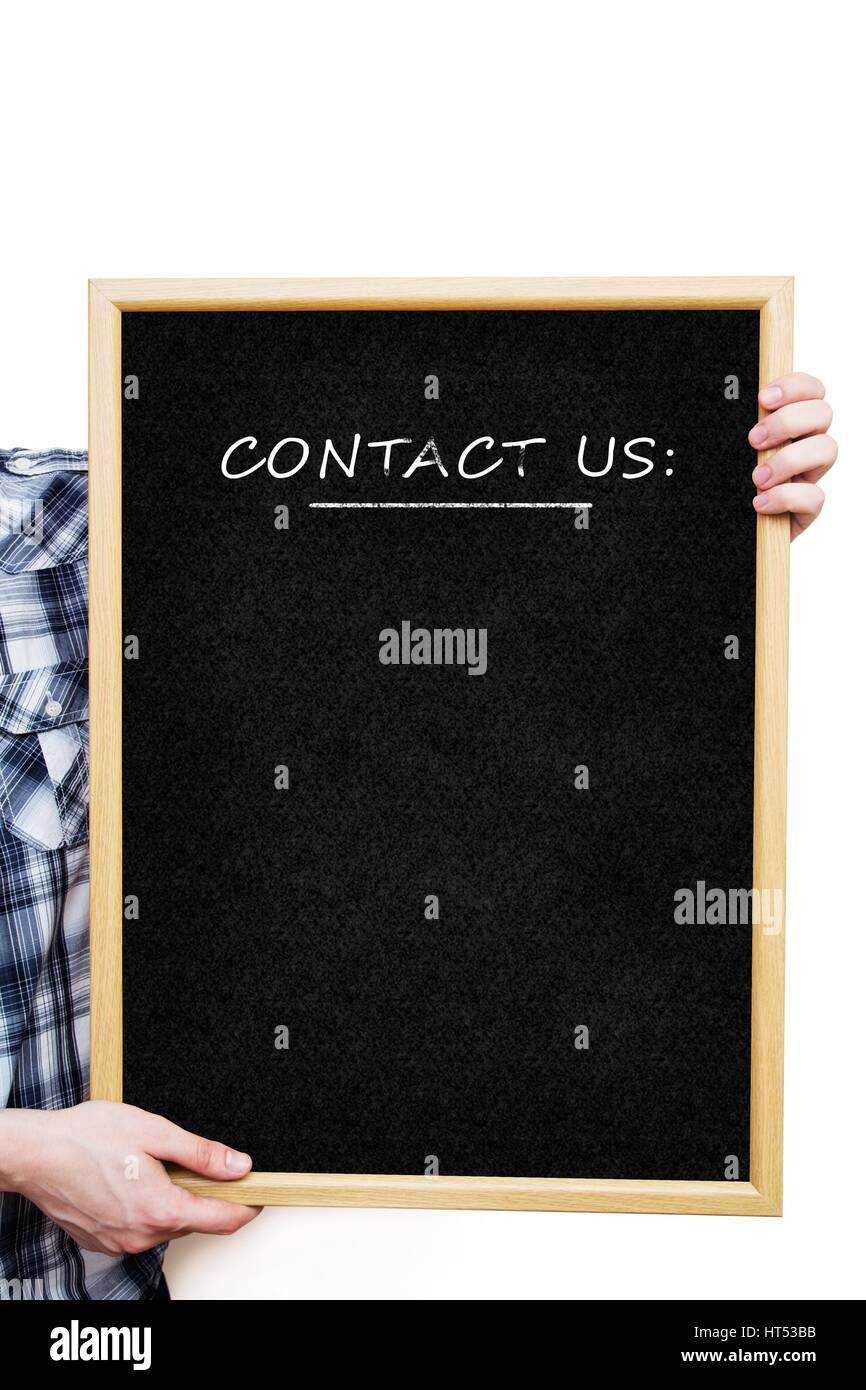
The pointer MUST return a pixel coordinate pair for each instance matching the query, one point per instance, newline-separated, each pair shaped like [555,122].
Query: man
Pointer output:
[85,1204]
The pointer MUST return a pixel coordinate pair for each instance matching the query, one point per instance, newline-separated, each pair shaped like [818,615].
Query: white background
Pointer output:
[496,139]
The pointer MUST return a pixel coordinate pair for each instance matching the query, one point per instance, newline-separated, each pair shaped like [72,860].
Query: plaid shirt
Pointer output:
[44,867]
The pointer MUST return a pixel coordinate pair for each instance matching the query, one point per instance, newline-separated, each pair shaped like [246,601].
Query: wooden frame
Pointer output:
[109,299]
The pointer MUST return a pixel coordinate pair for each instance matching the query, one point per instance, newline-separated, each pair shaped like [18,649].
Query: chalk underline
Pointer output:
[570,506]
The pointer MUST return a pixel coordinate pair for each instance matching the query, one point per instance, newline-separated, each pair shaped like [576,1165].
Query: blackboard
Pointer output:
[426,742]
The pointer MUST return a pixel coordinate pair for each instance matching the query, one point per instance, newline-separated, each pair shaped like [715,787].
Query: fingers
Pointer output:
[799,386]
[166,1212]
[806,460]
[205,1156]
[795,425]
[791,422]
[211,1216]
[803,500]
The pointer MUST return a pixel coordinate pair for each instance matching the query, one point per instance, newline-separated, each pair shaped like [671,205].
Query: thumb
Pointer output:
[204,1156]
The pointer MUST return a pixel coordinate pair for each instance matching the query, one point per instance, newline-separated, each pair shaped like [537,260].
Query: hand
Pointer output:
[95,1170]
[796,425]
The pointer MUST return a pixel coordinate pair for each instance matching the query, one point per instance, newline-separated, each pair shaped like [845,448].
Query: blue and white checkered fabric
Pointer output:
[44,866]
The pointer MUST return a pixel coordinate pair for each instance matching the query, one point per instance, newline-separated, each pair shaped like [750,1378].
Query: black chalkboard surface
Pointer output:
[438,703]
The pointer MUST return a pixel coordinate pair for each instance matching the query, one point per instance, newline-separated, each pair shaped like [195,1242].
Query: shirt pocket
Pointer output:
[49,523]
[44,747]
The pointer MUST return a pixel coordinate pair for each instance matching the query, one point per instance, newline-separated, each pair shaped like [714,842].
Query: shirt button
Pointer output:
[53,708]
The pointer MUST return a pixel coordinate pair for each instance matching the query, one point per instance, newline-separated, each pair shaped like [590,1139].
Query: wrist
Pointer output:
[23,1136]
